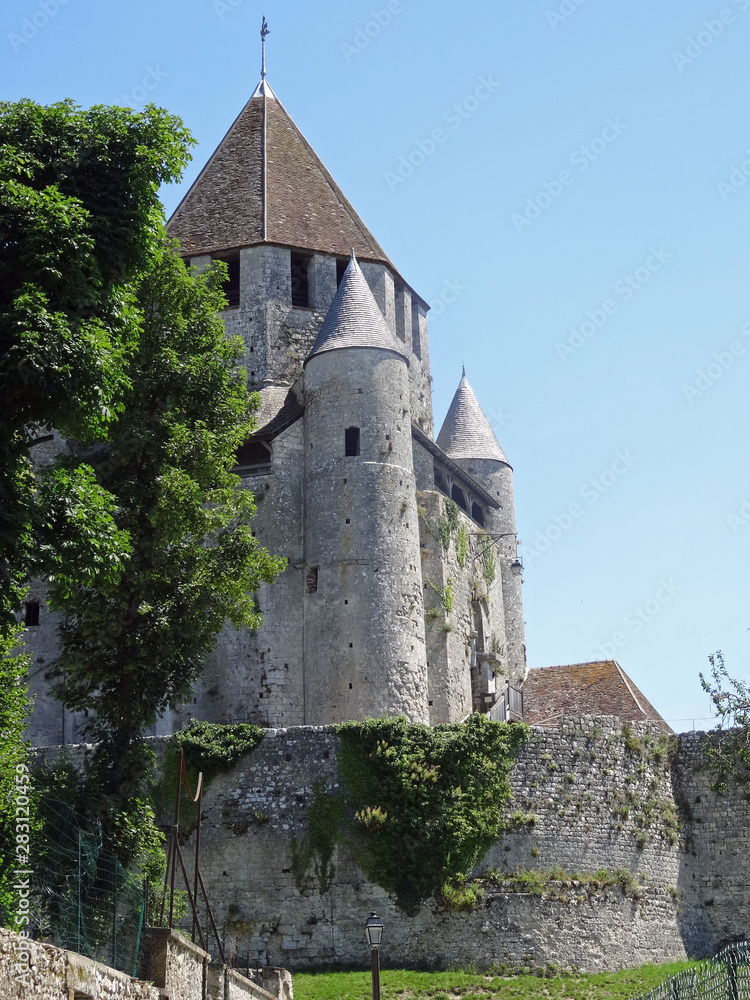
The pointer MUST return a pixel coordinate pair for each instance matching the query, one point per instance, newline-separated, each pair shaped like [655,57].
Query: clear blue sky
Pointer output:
[620,129]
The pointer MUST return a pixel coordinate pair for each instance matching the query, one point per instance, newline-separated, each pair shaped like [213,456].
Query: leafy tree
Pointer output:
[79,213]
[133,644]
[728,751]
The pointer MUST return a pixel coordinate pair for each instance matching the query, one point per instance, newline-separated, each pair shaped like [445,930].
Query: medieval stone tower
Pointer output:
[402,593]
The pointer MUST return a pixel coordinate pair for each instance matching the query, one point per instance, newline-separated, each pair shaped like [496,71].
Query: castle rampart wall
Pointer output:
[570,809]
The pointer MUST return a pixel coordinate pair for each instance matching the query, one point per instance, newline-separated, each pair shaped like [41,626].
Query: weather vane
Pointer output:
[264,30]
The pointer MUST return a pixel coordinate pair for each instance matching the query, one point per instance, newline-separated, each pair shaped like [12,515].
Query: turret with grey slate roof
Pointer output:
[466,432]
[354,319]
[467,438]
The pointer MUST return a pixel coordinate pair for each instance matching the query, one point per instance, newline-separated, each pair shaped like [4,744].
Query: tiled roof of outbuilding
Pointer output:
[355,319]
[304,207]
[466,432]
[599,688]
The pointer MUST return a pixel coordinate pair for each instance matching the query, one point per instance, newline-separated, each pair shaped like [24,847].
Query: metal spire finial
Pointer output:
[264,30]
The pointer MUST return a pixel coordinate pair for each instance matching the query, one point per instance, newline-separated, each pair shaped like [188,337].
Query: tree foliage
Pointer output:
[79,212]
[133,643]
[727,751]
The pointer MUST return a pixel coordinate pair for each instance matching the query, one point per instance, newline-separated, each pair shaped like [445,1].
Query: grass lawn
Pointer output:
[398,984]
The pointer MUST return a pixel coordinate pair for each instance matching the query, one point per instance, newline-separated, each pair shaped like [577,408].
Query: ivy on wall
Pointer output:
[420,806]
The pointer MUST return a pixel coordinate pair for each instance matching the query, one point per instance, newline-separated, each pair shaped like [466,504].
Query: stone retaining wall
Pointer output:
[587,796]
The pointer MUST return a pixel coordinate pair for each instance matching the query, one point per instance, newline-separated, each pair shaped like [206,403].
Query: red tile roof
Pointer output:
[600,688]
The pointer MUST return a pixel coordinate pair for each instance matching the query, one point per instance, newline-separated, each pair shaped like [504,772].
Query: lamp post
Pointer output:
[374,934]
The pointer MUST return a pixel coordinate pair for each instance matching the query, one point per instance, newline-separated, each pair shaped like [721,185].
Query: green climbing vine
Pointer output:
[420,806]
[448,522]
[325,816]
[489,564]
[462,545]
[445,594]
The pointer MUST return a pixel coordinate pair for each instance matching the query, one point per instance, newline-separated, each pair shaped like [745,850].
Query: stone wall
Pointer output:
[176,970]
[714,874]
[257,677]
[35,971]
[461,661]
[587,796]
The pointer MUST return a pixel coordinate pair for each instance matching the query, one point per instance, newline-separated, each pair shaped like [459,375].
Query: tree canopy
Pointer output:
[79,213]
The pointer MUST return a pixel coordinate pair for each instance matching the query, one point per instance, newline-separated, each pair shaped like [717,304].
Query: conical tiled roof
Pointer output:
[276,191]
[354,319]
[466,432]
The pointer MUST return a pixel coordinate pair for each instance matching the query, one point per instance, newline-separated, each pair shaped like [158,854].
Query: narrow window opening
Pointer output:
[400,315]
[416,337]
[31,617]
[348,520]
[351,442]
[312,580]
[254,454]
[477,513]
[300,280]
[458,497]
[341,266]
[231,286]
[441,482]
[350,686]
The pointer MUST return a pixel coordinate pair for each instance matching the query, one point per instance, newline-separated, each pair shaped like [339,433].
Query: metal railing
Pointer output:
[726,976]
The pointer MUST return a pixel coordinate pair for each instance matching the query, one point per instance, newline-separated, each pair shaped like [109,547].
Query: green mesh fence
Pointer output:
[83,898]
[726,976]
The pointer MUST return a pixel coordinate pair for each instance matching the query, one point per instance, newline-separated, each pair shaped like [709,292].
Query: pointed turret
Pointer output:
[467,438]
[466,432]
[354,319]
[365,652]
[265,184]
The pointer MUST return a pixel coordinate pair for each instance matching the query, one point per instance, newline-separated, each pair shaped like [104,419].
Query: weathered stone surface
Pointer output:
[569,786]
[35,971]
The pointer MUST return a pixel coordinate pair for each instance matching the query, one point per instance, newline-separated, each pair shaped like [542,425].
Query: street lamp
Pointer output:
[374,934]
